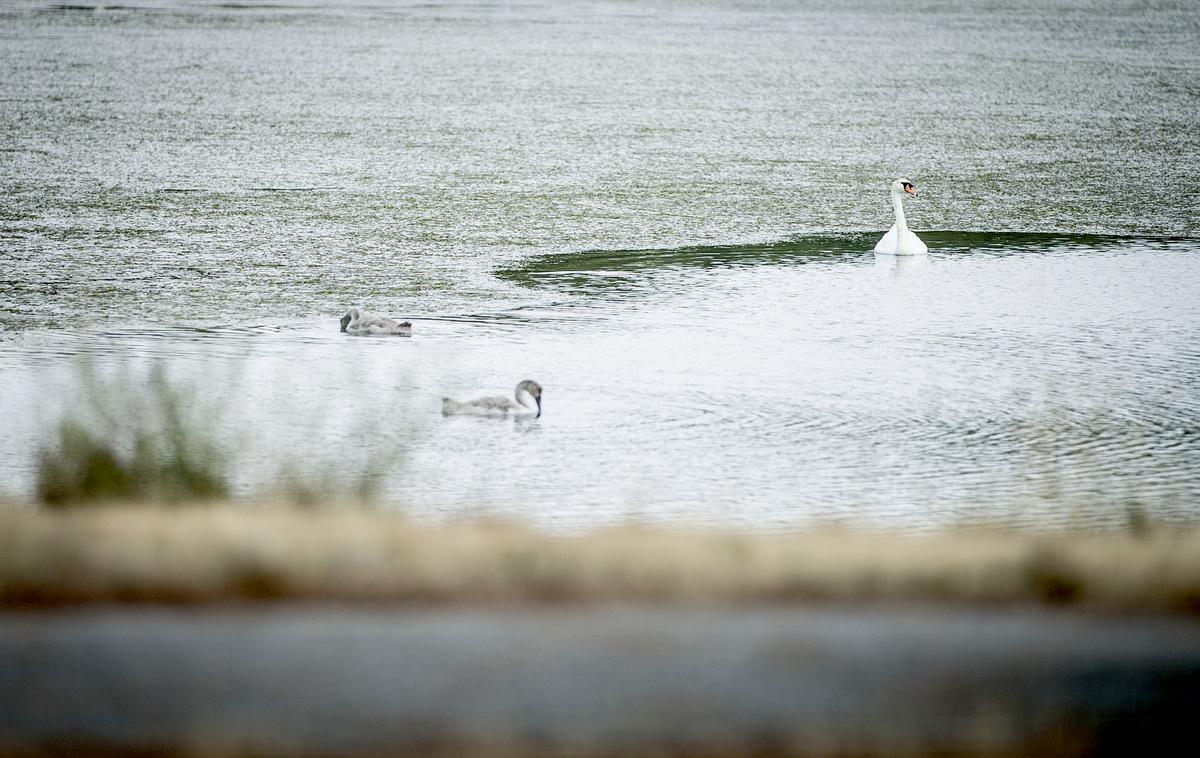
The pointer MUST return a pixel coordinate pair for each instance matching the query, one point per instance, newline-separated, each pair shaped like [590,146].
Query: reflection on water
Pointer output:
[1037,381]
[208,188]
[898,264]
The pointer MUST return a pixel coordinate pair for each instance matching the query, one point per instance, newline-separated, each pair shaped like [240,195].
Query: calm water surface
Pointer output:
[661,211]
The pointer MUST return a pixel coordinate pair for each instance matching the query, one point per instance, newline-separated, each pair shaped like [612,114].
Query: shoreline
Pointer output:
[223,554]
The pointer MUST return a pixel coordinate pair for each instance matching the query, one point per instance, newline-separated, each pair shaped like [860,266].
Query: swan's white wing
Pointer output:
[889,243]
[915,245]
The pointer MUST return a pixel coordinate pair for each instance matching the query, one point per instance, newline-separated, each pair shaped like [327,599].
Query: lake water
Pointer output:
[663,212]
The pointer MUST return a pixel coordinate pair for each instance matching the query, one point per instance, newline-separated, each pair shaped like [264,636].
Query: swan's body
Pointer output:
[526,401]
[899,240]
[368,324]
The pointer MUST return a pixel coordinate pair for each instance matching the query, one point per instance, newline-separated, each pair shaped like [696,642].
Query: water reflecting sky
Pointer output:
[662,211]
[1040,384]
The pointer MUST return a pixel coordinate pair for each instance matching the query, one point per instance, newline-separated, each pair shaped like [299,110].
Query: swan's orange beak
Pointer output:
[910,190]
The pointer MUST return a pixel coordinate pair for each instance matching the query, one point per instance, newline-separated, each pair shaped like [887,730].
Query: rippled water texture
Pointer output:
[662,211]
[1020,379]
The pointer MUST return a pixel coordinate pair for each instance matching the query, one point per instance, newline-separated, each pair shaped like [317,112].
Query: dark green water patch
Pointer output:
[595,270]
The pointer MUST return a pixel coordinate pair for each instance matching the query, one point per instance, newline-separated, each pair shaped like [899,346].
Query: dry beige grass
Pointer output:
[225,553]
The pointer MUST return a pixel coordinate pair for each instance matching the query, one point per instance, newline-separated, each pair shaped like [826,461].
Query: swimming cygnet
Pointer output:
[368,324]
[528,401]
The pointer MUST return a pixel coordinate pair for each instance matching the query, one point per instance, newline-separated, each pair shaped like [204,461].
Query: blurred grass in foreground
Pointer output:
[135,434]
[130,443]
[132,448]
[220,553]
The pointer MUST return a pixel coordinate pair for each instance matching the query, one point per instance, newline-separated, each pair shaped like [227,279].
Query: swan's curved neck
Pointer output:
[898,205]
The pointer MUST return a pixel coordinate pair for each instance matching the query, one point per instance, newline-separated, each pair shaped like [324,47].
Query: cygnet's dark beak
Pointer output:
[539,404]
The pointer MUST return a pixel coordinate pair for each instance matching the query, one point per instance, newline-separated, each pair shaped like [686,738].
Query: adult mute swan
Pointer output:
[528,401]
[368,324]
[899,240]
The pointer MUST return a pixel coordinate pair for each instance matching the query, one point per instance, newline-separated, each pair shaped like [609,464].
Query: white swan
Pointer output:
[368,324]
[528,401]
[899,240]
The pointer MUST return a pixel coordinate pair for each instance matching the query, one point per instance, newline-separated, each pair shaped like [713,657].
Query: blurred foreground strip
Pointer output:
[224,553]
[597,680]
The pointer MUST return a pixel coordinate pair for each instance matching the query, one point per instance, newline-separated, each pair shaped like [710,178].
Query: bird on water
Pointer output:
[899,240]
[369,324]
[526,401]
